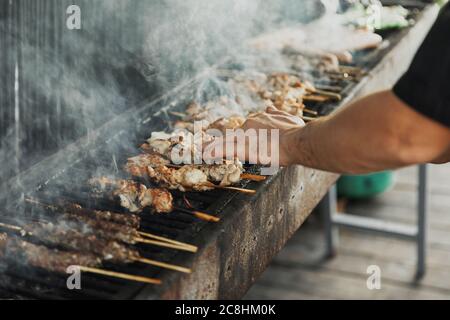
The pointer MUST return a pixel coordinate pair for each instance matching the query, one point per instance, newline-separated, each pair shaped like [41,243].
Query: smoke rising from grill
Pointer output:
[60,85]
[65,90]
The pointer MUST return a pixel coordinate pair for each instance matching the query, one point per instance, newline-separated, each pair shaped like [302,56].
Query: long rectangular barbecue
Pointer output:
[252,229]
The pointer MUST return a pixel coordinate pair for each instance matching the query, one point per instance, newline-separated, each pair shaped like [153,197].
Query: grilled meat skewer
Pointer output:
[227,174]
[163,199]
[184,178]
[78,219]
[58,261]
[42,257]
[134,196]
[196,178]
[104,229]
[138,166]
[130,220]
[230,123]
[103,243]
[109,249]
[78,213]
[116,232]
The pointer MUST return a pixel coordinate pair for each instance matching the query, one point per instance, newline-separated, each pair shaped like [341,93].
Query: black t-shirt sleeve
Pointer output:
[426,85]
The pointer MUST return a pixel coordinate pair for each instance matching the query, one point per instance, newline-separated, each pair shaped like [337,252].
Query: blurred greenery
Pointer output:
[441,2]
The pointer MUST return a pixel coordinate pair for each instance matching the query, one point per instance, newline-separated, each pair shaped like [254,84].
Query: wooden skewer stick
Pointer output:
[39,203]
[205,217]
[10,227]
[351,69]
[343,76]
[163,239]
[329,88]
[139,240]
[314,113]
[177,114]
[246,176]
[166,245]
[324,93]
[308,119]
[142,260]
[164,265]
[329,94]
[242,190]
[200,215]
[120,275]
[253,177]
[315,98]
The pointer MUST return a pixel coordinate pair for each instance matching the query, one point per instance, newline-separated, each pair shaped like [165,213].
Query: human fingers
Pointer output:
[285,116]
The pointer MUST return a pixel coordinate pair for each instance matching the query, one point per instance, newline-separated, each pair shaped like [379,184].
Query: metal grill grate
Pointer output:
[71,186]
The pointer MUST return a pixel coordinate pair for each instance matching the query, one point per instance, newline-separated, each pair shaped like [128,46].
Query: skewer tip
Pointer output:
[119,275]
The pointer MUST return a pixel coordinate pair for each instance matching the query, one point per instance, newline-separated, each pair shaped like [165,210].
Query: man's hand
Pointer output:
[287,125]
[443,158]
[273,119]
[375,133]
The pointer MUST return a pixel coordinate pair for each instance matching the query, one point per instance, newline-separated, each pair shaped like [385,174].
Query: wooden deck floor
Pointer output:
[300,272]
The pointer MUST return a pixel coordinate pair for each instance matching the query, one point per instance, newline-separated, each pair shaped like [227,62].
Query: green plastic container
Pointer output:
[365,186]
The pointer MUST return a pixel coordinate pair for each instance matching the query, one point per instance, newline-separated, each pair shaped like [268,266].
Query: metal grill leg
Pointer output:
[327,209]
[422,222]
[331,222]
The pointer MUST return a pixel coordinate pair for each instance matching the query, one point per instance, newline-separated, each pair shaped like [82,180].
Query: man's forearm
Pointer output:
[375,133]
